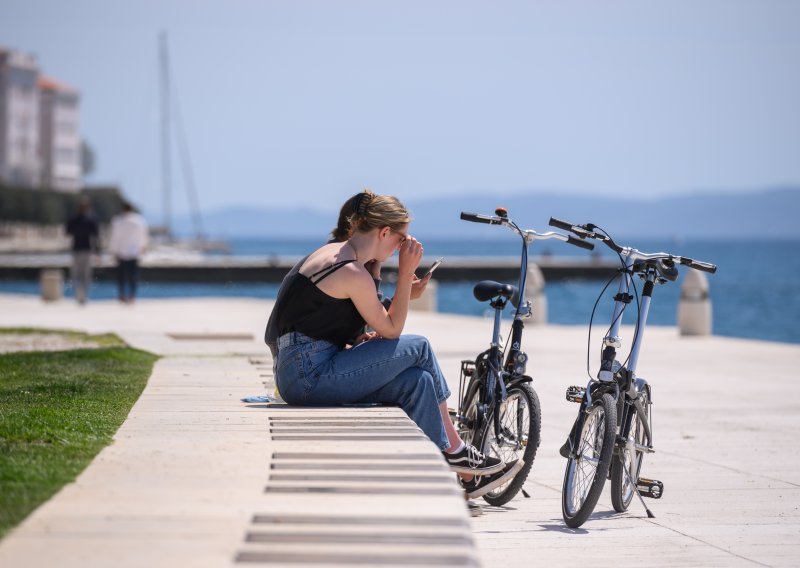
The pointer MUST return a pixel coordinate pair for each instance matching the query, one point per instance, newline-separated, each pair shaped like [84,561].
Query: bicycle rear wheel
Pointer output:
[630,458]
[586,472]
[520,431]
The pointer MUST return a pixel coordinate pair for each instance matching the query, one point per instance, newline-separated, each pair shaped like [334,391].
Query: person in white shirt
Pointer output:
[127,242]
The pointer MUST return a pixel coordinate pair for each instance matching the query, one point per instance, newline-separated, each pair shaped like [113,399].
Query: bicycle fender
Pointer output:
[519,380]
[598,389]
[642,386]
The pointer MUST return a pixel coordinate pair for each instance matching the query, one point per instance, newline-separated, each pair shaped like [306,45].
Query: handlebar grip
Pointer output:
[560,224]
[579,243]
[475,218]
[699,265]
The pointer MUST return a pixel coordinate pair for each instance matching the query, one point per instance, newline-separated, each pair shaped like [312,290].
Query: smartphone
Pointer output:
[434,266]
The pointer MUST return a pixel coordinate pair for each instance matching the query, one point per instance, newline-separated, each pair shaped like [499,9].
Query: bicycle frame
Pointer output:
[612,341]
[500,412]
[516,359]
[619,456]
[615,379]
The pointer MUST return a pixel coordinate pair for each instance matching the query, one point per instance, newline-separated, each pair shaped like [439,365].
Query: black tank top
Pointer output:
[310,311]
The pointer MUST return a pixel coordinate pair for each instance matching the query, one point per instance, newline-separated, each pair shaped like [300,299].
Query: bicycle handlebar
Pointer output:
[531,235]
[558,223]
[698,264]
[579,243]
[588,231]
[475,218]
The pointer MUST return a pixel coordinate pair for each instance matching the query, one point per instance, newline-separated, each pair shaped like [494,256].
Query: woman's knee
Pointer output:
[420,345]
[415,382]
[417,339]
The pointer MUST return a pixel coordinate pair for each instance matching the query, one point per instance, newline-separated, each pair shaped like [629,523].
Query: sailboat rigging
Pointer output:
[170,107]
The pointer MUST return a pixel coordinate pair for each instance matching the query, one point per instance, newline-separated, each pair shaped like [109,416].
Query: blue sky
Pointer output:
[302,102]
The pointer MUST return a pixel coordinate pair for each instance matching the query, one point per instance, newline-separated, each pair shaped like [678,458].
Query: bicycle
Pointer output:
[499,411]
[614,427]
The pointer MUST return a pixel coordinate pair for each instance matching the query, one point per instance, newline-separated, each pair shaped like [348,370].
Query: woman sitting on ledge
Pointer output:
[322,306]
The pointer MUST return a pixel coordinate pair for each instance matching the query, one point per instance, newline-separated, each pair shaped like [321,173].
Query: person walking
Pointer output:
[127,243]
[82,227]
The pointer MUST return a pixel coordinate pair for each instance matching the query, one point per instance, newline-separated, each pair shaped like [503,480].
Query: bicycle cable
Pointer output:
[624,271]
[638,302]
[591,323]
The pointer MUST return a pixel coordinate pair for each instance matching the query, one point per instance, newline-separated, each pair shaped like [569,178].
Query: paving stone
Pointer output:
[184,482]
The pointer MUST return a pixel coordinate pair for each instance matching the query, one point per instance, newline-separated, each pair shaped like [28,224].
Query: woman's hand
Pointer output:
[410,257]
[374,268]
[418,286]
[368,336]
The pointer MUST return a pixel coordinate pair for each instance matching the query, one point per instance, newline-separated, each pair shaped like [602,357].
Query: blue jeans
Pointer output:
[127,278]
[404,371]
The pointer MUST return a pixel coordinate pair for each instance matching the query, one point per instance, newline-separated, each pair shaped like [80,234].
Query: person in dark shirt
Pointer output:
[340,233]
[83,230]
[330,297]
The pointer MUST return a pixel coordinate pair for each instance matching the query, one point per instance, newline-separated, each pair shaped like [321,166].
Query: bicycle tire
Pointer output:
[522,431]
[622,490]
[586,474]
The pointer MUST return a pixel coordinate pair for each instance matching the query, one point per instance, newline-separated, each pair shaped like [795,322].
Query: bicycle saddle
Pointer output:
[488,289]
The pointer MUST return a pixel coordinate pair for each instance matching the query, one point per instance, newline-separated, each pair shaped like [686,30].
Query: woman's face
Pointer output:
[393,239]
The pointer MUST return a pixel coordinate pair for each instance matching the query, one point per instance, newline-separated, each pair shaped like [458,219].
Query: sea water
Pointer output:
[754,293]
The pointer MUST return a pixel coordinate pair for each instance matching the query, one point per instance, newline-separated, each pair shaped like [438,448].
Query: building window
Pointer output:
[66,155]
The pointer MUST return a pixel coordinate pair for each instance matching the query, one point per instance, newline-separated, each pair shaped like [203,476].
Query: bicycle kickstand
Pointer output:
[650,514]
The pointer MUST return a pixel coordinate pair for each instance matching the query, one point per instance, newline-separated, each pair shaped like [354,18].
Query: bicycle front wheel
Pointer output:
[587,471]
[518,438]
[623,485]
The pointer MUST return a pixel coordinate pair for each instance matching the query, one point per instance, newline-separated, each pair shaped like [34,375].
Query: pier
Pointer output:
[223,269]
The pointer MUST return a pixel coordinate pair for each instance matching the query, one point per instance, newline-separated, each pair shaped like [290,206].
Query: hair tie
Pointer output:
[360,205]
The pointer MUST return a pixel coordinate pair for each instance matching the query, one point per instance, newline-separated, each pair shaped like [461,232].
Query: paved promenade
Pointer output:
[727,438]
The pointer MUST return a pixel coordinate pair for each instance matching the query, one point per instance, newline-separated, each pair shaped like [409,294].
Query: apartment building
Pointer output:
[40,145]
[59,139]
[20,163]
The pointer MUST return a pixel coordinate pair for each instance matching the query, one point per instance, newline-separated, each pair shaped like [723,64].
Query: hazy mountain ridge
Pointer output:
[768,214]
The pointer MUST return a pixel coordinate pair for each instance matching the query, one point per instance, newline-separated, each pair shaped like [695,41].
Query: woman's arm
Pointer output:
[388,324]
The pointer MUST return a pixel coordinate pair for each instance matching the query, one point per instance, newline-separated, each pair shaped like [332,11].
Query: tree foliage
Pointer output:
[51,207]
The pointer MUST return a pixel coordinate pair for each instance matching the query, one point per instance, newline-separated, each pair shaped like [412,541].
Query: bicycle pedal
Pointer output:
[650,488]
[576,394]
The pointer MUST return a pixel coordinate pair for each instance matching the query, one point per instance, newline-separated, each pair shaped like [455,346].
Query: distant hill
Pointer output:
[770,213]
[241,221]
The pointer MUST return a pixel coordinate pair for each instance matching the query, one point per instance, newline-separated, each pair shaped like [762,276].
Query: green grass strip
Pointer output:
[57,411]
[101,340]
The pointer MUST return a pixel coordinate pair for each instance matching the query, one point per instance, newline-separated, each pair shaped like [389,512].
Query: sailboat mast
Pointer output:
[166,174]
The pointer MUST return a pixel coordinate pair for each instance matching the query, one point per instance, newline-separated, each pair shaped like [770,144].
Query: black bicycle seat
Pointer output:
[488,289]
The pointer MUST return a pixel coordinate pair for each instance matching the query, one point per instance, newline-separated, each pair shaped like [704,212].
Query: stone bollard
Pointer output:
[694,307]
[534,290]
[52,284]
[426,302]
